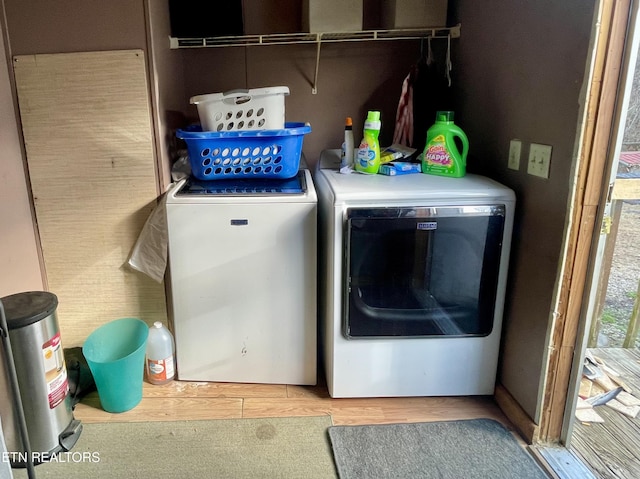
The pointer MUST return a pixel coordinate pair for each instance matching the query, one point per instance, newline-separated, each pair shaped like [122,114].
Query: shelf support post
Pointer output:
[314,88]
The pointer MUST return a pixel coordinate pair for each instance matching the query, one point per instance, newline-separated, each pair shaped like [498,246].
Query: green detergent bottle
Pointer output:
[368,160]
[441,155]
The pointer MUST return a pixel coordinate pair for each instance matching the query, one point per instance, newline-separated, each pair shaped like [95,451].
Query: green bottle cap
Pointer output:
[444,116]
[373,121]
[373,116]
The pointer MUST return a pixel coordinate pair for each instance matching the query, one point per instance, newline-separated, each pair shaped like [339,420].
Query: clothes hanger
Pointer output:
[448,65]
[430,57]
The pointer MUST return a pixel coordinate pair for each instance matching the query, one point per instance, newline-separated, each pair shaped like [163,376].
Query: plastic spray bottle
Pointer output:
[441,155]
[160,363]
[368,160]
[348,145]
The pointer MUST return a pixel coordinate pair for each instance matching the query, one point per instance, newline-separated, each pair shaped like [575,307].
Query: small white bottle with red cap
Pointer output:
[160,358]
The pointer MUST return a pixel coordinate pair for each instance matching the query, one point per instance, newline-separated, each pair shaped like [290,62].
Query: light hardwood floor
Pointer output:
[180,400]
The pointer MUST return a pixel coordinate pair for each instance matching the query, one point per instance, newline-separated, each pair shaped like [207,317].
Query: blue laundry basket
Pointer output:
[245,153]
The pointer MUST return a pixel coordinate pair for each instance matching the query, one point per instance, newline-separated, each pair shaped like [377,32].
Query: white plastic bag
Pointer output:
[149,254]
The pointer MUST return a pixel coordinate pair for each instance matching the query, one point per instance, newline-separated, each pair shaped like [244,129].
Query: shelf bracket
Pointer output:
[314,88]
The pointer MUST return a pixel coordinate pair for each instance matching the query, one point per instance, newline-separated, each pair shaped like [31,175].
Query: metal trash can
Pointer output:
[35,347]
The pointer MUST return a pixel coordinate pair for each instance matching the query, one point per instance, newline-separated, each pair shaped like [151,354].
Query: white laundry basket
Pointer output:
[256,109]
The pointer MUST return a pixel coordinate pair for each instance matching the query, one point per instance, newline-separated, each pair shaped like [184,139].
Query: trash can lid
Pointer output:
[23,309]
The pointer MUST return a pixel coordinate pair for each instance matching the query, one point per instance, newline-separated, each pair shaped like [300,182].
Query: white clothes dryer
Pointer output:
[412,281]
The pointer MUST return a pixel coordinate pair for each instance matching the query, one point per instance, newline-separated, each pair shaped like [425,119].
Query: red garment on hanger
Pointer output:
[403,133]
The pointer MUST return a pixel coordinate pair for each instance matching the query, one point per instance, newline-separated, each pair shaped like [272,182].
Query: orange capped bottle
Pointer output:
[160,358]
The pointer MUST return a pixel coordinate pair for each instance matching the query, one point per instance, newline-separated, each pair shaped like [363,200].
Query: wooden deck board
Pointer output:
[611,449]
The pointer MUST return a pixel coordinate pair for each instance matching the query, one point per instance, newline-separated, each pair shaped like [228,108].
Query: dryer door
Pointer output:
[423,271]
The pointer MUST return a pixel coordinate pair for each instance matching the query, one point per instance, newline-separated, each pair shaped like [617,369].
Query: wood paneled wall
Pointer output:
[88,137]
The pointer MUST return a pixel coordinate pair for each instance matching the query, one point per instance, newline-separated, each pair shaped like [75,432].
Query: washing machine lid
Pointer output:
[242,187]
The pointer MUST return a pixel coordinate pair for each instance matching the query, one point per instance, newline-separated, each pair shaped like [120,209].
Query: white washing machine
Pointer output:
[412,281]
[242,269]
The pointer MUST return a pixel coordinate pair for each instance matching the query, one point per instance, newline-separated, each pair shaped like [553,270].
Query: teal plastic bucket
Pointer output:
[115,354]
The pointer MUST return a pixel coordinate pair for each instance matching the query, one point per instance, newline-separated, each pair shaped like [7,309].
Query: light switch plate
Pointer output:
[515,148]
[539,160]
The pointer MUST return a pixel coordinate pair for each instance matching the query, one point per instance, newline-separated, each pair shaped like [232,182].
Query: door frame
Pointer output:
[613,29]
